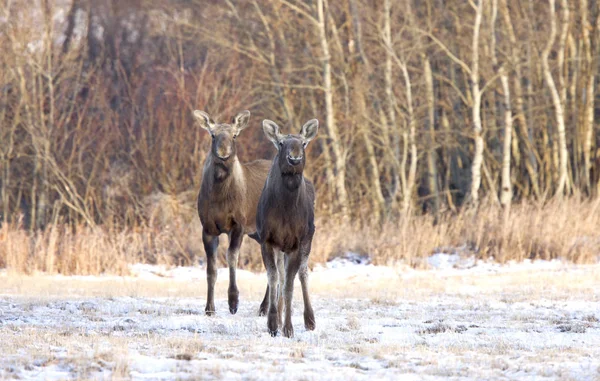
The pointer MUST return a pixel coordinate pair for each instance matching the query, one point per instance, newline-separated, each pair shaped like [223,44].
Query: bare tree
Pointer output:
[556,97]
[506,187]
[590,34]
[332,130]
[432,175]
[476,93]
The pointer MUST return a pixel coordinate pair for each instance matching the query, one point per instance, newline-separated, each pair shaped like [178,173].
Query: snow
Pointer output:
[445,261]
[462,319]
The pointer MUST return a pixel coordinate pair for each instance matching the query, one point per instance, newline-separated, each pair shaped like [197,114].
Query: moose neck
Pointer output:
[292,181]
[223,175]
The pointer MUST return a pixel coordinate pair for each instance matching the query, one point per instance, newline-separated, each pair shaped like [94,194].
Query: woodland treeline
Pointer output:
[424,105]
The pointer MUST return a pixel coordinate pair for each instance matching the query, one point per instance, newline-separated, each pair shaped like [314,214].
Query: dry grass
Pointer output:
[566,229]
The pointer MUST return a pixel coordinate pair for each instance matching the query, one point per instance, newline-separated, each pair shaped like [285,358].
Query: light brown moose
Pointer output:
[227,201]
[285,225]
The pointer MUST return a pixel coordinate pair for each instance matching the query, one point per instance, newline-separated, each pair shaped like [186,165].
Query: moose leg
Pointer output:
[235,241]
[262,310]
[211,243]
[292,263]
[280,285]
[270,263]
[309,315]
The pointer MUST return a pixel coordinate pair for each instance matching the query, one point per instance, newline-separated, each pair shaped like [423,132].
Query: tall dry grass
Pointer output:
[568,229]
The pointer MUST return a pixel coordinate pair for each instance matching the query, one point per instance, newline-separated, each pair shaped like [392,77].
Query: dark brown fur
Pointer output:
[227,201]
[285,225]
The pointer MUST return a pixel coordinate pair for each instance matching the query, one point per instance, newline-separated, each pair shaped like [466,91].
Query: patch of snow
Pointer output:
[348,259]
[443,261]
[455,263]
[181,273]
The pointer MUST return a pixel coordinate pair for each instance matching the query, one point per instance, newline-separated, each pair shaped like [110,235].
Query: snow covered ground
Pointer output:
[461,319]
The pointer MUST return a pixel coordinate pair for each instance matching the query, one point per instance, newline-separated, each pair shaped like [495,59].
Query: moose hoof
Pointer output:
[262,311]
[210,310]
[272,324]
[288,331]
[309,323]
[233,307]
[233,299]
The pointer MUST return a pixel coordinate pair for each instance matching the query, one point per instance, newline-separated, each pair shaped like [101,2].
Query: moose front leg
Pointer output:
[270,263]
[280,284]
[292,264]
[211,243]
[235,242]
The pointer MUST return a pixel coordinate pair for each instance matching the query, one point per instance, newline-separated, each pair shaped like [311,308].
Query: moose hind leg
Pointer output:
[309,315]
[264,306]
[211,243]
[235,242]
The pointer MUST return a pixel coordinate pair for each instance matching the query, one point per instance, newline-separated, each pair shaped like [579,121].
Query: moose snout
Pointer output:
[223,153]
[294,160]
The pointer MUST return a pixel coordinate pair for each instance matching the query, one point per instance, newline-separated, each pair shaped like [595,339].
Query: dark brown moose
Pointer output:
[227,201]
[285,225]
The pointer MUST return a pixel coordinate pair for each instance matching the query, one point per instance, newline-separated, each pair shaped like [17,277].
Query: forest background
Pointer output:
[446,126]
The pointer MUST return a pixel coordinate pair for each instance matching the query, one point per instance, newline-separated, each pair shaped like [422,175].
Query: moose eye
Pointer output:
[280,144]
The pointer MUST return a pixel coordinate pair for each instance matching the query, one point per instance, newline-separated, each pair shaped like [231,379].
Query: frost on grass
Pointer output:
[518,322]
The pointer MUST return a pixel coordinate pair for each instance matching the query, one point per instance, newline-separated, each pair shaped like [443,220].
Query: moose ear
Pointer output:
[241,121]
[309,130]
[271,129]
[204,120]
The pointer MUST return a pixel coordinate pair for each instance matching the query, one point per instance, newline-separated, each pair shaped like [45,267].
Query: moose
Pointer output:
[228,201]
[285,225]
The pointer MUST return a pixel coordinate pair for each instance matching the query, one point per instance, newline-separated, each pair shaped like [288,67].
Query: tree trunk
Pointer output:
[558,106]
[432,174]
[390,99]
[336,143]
[412,142]
[506,185]
[506,193]
[588,121]
[476,112]
[46,120]
[328,171]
